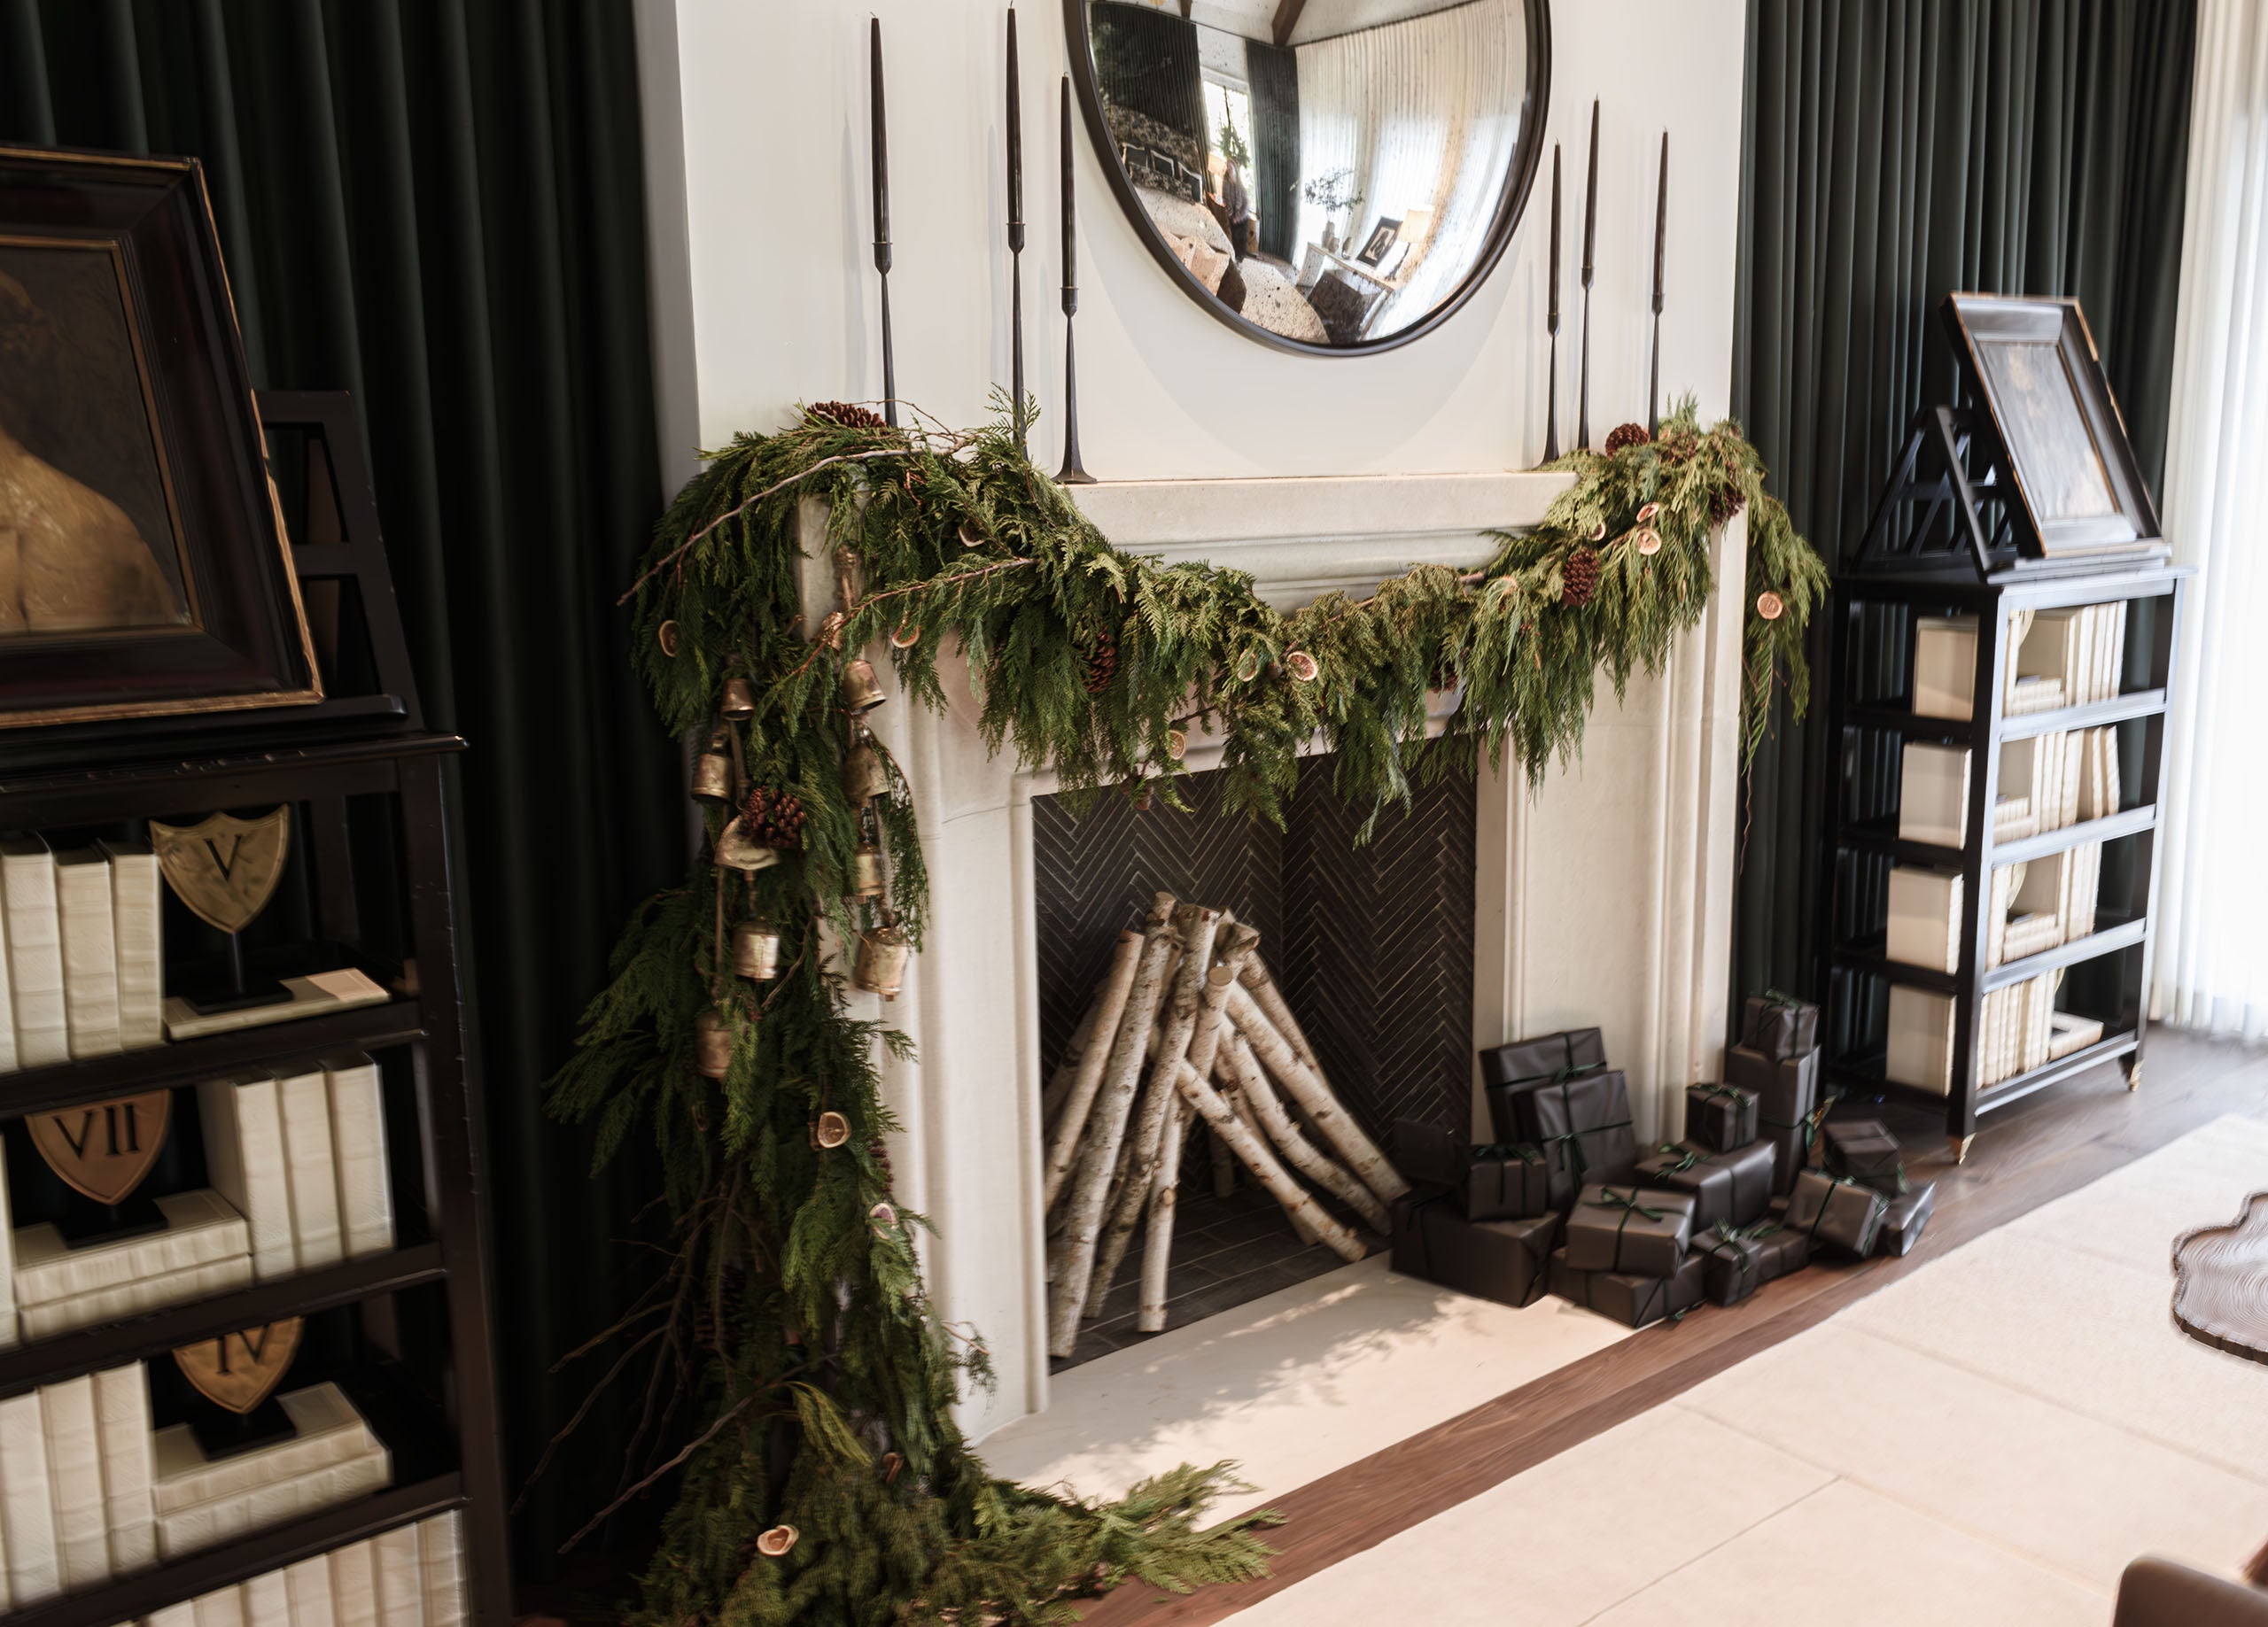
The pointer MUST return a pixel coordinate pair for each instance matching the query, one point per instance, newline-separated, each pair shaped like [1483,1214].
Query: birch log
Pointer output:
[1298,1150]
[1331,1121]
[1252,1152]
[1237,943]
[1103,1018]
[1261,986]
[1106,1125]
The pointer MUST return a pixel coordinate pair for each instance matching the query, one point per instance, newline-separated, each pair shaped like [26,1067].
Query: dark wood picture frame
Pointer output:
[2075,489]
[241,639]
[1381,239]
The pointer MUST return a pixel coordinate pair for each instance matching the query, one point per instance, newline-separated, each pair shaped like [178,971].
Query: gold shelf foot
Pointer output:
[2134,1077]
[1959,1147]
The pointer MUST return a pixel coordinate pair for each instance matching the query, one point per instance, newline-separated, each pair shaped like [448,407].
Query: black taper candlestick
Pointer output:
[1073,473]
[1591,242]
[881,217]
[1552,322]
[1661,222]
[1015,233]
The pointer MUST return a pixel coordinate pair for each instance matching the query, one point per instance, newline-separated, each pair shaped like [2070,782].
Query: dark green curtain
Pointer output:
[1273,74]
[1147,68]
[438,206]
[1892,153]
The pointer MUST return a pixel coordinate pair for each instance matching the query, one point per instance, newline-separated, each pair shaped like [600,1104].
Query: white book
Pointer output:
[401,1578]
[2033,693]
[135,891]
[27,1503]
[2012,818]
[311,996]
[2069,1032]
[2050,650]
[272,1503]
[2046,890]
[441,1541]
[42,1322]
[90,940]
[223,1606]
[267,1600]
[305,1100]
[35,952]
[309,1583]
[200,1229]
[353,1585]
[74,1469]
[358,1142]
[1933,793]
[1920,1033]
[2005,879]
[1924,926]
[326,1430]
[2118,650]
[181,1615]
[1945,666]
[122,1425]
[244,1155]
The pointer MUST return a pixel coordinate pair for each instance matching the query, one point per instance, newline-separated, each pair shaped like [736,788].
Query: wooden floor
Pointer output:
[2032,1152]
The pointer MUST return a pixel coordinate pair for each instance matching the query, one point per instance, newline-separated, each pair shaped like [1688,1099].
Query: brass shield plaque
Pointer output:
[104,1149]
[225,869]
[240,1370]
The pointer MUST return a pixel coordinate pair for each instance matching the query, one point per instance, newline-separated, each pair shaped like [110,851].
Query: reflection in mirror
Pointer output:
[1337,174]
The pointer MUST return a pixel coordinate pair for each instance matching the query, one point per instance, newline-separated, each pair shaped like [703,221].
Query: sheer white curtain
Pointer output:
[2212,959]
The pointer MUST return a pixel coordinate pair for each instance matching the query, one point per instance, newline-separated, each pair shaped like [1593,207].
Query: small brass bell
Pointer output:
[712,1043]
[756,951]
[881,966]
[863,779]
[866,872]
[862,691]
[736,849]
[739,698]
[712,772]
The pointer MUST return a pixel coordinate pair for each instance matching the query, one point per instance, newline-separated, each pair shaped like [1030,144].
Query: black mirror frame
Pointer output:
[1518,181]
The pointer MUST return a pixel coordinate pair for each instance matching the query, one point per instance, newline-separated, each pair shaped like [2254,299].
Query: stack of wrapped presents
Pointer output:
[1564,1199]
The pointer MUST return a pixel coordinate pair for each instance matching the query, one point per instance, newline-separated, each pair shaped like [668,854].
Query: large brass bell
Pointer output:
[712,772]
[712,1042]
[739,698]
[866,872]
[881,967]
[863,778]
[862,691]
[755,951]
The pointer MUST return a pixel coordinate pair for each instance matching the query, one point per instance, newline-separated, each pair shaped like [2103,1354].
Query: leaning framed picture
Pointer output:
[1379,241]
[2077,488]
[143,566]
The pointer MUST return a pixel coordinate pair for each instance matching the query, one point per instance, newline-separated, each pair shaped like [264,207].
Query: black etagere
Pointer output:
[365,779]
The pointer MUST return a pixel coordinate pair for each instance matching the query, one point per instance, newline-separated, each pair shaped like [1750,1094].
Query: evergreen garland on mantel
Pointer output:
[792,1367]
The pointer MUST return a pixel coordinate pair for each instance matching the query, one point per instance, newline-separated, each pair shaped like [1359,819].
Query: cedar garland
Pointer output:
[794,1369]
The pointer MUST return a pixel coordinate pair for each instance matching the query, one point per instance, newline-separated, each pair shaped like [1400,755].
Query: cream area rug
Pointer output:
[1989,1440]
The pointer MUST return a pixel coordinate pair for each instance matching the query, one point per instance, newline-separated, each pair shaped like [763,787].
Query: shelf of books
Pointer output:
[245,1352]
[1990,849]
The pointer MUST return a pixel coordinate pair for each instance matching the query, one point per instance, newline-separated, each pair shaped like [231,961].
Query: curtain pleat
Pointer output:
[439,207]
[1892,153]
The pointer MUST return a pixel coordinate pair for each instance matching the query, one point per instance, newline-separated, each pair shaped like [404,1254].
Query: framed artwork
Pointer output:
[2077,487]
[143,567]
[1379,241]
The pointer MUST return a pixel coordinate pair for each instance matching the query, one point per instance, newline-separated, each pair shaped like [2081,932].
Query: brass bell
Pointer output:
[712,772]
[863,778]
[712,1043]
[862,691]
[881,967]
[866,872]
[756,951]
[739,698]
[736,849]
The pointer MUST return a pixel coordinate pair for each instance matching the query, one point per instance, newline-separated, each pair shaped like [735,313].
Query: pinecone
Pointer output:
[1725,502]
[1102,660]
[845,415]
[1625,435]
[1579,576]
[775,818]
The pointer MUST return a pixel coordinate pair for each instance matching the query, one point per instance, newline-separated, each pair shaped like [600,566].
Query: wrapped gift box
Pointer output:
[1738,1260]
[1720,1117]
[1503,1260]
[1829,1209]
[1633,1301]
[1728,1186]
[1864,1151]
[1903,1221]
[1629,1228]
[1509,1071]
[1779,1025]
[1786,1096]
[1583,1126]
[1498,1182]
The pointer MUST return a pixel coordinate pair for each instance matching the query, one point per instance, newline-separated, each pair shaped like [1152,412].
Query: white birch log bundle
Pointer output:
[1298,1150]
[1331,1121]
[1106,1122]
[1261,985]
[1252,1152]
[1157,1243]
[1102,1021]
[1237,944]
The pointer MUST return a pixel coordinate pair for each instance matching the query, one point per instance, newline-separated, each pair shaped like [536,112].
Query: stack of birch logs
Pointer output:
[1189,1023]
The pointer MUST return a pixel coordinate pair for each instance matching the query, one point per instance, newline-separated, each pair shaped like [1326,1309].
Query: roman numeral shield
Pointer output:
[104,1149]
[240,1370]
[225,869]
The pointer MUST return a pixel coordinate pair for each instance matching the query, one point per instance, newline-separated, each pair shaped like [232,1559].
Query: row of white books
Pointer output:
[2065,657]
[2047,783]
[411,1577]
[88,1493]
[2021,1030]
[300,1180]
[2034,907]
[81,964]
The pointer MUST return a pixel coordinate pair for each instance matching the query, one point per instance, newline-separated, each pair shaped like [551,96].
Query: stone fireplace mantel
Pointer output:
[1603,898]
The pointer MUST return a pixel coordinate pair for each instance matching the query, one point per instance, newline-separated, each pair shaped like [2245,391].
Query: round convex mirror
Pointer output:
[1328,176]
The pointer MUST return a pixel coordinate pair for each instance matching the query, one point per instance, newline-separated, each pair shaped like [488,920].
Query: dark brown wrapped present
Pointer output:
[1787,1102]
[1583,1126]
[1828,1209]
[1495,1182]
[1738,1260]
[1864,1151]
[1629,1228]
[1903,1221]
[1503,1260]
[1507,1070]
[1720,1117]
[1729,1186]
[1633,1301]
[1779,1025]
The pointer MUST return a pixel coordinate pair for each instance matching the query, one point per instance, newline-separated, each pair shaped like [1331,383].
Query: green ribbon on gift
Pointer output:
[1838,1181]
[1780,1000]
[1501,1153]
[1609,1198]
[1682,1158]
[1576,1162]
[1734,1094]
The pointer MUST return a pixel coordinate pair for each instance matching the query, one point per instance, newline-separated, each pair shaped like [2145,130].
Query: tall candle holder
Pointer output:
[1590,243]
[1073,473]
[882,215]
[1015,137]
